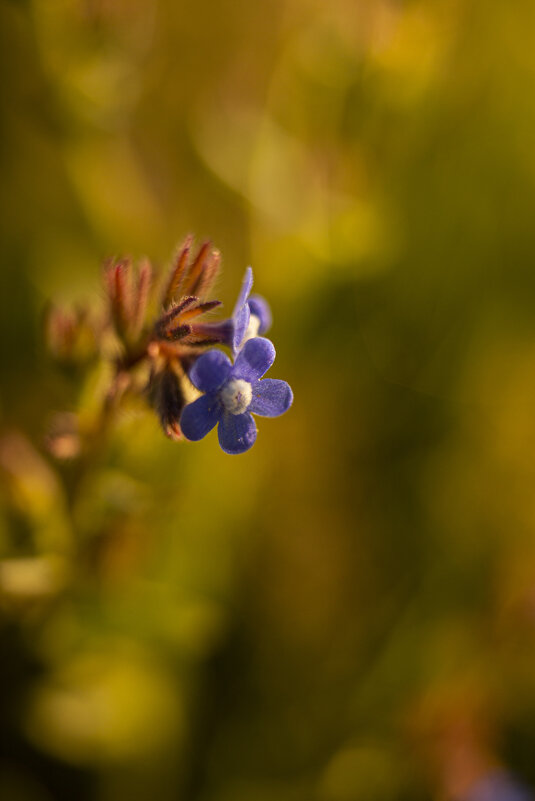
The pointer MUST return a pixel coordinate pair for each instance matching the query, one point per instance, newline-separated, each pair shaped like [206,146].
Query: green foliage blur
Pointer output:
[346,612]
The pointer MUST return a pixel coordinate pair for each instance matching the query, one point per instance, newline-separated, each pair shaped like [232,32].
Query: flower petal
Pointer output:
[260,308]
[271,397]
[210,371]
[245,290]
[240,323]
[199,417]
[254,359]
[241,313]
[236,432]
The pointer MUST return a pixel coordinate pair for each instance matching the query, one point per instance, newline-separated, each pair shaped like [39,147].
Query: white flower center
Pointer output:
[252,329]
[236,395]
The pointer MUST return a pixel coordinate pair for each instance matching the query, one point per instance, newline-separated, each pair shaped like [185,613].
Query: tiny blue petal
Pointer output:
[260,308]
[254,359]
[245,290]
[241,313]
[210,371]
[271,397]
[236,432]
[240,321]
[198,418]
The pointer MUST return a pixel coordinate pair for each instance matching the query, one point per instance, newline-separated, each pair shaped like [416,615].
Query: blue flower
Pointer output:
[251,316]
[232,393]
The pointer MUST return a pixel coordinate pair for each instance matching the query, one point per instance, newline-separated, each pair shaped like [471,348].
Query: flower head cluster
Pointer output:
[164,328]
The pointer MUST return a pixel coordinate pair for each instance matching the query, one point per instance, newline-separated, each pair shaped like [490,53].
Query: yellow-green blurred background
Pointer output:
[347,612]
